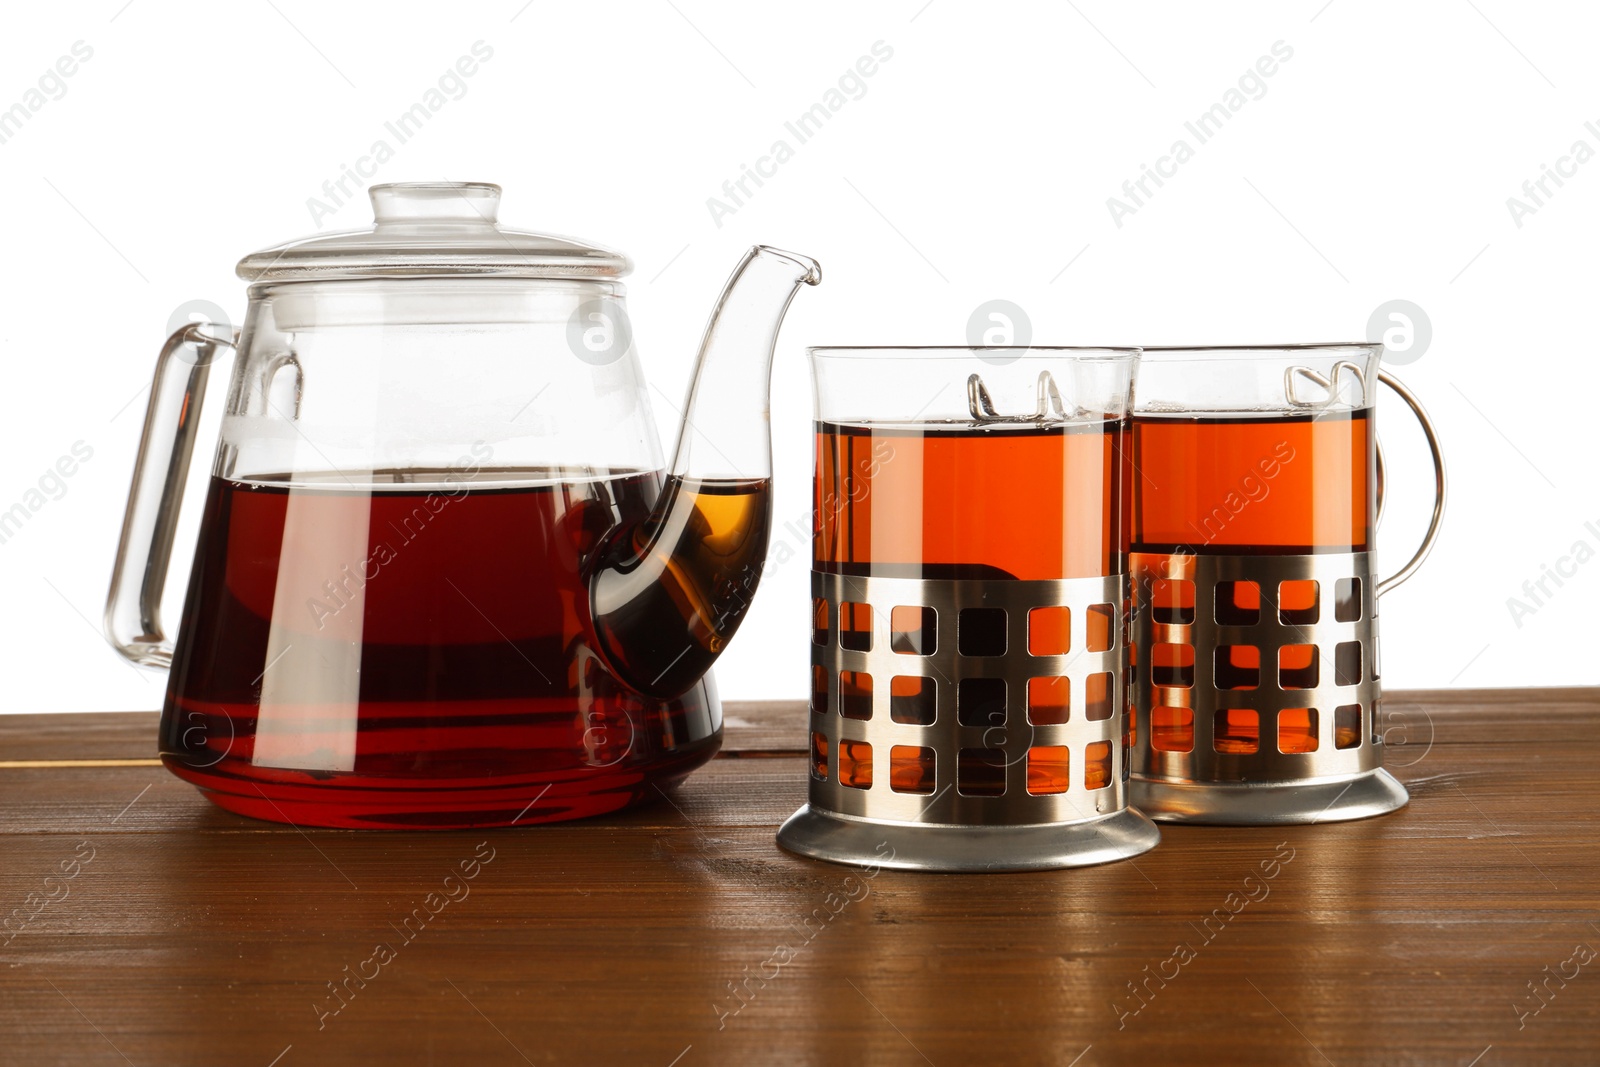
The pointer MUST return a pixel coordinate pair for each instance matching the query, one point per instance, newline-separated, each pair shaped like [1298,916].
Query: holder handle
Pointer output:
[1386,584]
[166,445]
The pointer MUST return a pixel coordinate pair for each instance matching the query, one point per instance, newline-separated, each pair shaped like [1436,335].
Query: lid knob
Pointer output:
[428,201]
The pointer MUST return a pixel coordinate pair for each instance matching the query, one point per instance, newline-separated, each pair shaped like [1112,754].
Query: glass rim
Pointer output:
[1086,353]
[1242,352]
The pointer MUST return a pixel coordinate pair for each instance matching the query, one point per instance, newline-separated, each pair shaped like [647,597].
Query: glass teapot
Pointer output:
[442,578]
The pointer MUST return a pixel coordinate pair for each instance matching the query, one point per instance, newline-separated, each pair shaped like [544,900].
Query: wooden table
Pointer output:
[188,935]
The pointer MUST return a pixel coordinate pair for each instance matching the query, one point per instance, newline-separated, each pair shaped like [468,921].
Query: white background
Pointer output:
[977,165]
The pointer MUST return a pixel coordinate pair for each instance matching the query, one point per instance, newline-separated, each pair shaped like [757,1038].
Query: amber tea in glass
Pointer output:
[954,501]
[1231,484]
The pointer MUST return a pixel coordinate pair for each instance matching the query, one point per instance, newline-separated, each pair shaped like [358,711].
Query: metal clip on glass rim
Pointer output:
[981,406]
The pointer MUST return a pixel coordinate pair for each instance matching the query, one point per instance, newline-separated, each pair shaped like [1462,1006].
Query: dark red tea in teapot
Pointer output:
[345,651]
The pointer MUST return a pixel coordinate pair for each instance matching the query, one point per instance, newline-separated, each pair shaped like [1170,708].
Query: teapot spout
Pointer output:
[666,595]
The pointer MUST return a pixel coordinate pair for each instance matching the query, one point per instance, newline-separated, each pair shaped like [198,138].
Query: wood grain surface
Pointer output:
[186,935]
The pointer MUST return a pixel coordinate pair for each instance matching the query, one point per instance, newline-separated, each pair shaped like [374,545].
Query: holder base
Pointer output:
[908,847]
[1270,804]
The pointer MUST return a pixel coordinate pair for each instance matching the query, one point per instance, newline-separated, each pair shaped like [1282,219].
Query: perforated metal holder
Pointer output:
[1029,764]
[1293,739]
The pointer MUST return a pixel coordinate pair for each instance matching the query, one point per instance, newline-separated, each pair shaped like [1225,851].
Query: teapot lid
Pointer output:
[430,229]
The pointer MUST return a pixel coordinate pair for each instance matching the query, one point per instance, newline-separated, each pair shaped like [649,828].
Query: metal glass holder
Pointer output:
[1300,672]
[1029,765]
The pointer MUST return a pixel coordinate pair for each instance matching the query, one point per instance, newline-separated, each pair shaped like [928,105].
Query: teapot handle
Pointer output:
[166,445]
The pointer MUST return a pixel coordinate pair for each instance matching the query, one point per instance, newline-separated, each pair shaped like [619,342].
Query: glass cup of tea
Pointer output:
[969,588]
[1257,486]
